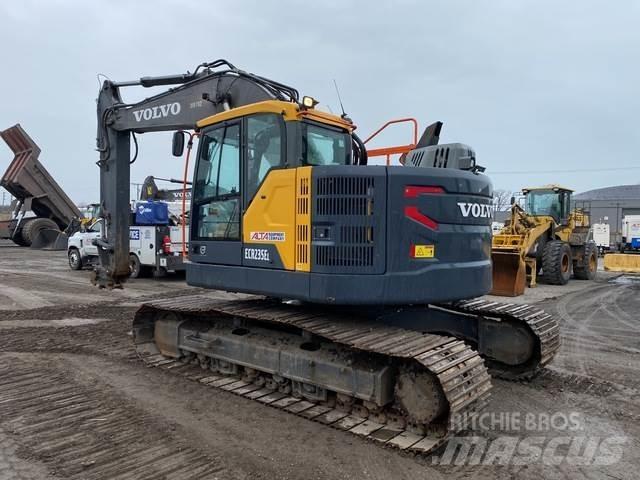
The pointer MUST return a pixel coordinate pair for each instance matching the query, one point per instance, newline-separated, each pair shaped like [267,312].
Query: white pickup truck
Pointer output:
[156,249]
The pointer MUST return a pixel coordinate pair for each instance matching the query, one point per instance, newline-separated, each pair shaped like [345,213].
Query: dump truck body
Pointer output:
[34,190]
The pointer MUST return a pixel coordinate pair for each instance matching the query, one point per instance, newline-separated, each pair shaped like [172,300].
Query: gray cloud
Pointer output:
[533,86]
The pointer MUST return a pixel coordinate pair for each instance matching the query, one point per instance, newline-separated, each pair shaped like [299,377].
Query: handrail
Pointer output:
[399,149]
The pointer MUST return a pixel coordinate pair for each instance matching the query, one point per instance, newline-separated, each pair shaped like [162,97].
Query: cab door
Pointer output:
[216,208]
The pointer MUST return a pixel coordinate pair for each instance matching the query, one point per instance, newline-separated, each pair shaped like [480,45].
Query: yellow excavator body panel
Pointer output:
[271,216]
[303,219]
[280,215]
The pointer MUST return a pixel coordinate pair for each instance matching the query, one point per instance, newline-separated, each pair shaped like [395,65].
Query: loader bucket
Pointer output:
[509,274]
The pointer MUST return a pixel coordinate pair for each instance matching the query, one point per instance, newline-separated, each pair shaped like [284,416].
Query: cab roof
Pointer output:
[551,186]
[289,110]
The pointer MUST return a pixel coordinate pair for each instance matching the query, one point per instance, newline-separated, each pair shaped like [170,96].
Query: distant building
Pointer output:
[609,205]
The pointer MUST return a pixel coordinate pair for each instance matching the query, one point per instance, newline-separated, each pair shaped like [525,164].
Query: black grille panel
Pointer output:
[355,234]
[342,206]
[344,185]
[344,256]
[348,220]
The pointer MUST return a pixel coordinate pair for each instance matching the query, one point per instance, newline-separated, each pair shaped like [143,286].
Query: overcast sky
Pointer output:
[533,86]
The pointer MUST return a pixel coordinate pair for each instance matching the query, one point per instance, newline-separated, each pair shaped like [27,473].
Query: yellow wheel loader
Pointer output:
[547,237]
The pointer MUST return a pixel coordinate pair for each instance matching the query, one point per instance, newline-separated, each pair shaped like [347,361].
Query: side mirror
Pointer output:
[177,145]
[513,200]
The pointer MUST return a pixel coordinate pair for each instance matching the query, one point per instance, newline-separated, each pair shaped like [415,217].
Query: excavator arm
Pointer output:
[213,87]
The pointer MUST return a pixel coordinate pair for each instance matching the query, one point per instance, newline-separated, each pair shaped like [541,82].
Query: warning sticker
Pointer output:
[423,251]
[267,236]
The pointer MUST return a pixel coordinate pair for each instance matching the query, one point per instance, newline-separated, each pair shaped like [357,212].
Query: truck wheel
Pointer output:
[135,268]
[18,237]
[159,272]
[556,263]
[589,267]
[32,229]
[75,260]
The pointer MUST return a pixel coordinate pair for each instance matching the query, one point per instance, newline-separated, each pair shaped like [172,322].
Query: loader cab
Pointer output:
[551,200]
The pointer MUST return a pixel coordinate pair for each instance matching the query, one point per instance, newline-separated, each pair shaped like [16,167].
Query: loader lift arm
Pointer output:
[213,87]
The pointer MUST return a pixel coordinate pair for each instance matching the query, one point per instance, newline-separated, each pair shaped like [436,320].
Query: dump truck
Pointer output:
[34,190]
[546,236]
[364,277]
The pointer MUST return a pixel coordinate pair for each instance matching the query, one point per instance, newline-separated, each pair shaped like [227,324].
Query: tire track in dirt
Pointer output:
[80,432]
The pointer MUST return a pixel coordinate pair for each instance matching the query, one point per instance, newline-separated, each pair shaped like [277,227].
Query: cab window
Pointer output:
[264,149]
[217,185]
[324,146]
[96,227]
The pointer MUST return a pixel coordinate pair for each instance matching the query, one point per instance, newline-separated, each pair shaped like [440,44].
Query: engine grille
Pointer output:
[348,216]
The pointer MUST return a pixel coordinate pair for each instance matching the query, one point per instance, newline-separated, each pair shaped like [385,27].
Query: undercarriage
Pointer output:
[380,374]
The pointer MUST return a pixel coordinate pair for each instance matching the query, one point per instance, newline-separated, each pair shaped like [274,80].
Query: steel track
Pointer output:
[542,325]
[459,369]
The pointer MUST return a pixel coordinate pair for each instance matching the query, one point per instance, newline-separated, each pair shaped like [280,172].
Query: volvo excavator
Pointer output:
[364,279]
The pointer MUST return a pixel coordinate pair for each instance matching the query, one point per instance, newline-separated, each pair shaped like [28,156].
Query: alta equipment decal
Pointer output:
[267,236]
[476,210]
[160,111]
[259,254]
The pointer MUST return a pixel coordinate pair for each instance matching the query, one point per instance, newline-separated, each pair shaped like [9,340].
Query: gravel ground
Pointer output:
[75,402]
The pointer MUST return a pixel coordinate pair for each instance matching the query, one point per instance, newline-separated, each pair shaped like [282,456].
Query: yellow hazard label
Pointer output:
[424,251]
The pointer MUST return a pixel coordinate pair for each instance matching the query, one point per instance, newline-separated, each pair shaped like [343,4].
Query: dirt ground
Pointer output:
[75,402]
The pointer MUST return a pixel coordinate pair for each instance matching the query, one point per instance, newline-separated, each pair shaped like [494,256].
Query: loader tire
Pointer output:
[589,267]
[34,227]
[556,263]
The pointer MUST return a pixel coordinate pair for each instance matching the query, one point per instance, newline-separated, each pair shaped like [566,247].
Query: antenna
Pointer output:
[335,84]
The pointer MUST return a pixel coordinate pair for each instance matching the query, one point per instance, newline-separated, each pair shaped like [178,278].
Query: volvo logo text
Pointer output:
[161,111]
[476,210]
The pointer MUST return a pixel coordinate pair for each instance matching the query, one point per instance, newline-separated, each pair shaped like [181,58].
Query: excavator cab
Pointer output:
[283,206]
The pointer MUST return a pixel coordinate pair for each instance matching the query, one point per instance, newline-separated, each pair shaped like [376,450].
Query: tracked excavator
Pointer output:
[365,279]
